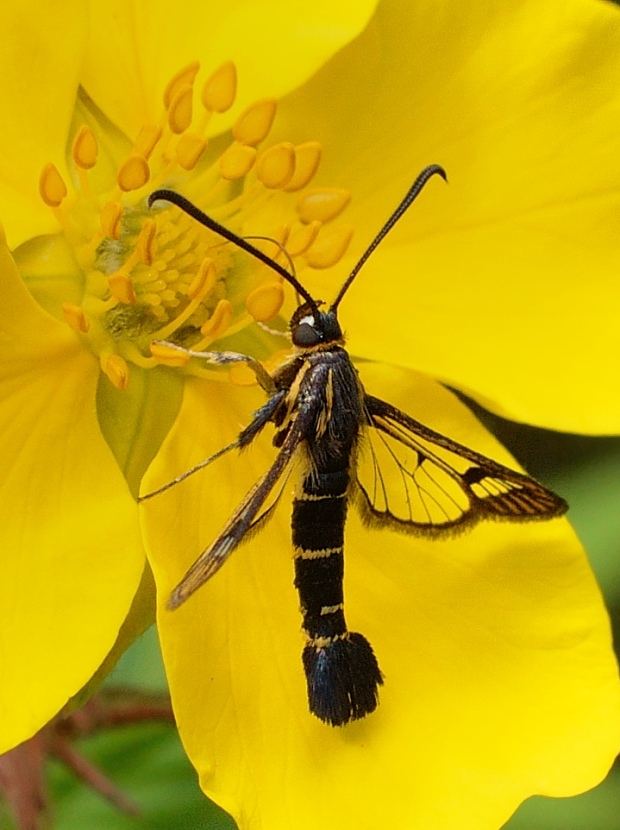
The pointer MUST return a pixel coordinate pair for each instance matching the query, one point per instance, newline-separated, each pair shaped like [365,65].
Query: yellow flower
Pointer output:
[76,375]
[500,681]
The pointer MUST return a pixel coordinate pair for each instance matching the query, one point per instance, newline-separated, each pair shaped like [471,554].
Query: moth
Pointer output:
[323,420]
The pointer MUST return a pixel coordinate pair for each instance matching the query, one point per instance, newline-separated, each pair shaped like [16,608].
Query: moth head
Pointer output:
[312,327]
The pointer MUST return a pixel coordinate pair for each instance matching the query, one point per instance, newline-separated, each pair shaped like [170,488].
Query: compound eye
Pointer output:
[306,335]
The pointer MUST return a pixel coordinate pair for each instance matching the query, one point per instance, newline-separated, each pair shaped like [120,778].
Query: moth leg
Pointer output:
[245,437]
[201,464]
[263,377]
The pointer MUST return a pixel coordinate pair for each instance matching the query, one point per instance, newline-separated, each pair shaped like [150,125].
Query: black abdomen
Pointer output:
[341,669]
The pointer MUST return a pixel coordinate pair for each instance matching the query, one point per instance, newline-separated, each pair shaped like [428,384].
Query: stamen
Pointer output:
[242,375]
[217,324]
[236,161]
[147,140]
[302,237]
[116,369]
[219,91]
[121,287]
[189,150]
[180,110]
[159,275]
[169,356]
[145,246]
[265,302]
[307,159]
[75,317]
[52,187]
[204,280]
[133,173]
[329,248]
[85,149]
[254,124]
[276,166]
[184,77]
[110,217]
[324,204]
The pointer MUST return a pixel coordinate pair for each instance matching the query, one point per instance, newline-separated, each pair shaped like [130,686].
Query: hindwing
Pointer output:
[440,487]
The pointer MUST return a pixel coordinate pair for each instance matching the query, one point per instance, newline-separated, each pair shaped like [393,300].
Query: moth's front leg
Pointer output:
[225,358]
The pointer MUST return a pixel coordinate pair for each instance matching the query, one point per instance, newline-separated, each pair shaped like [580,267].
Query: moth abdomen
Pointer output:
[341,669]
[343,677]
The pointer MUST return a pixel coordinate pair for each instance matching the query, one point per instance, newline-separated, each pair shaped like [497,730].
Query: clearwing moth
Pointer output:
[321,413]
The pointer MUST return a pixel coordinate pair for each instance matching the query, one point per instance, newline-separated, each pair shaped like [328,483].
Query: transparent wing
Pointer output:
[249,517]
[416,480]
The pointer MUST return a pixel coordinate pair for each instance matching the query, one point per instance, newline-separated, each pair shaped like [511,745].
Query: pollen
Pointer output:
[133,173]
[157,283]
[75,317]
[307,160]
[323,205]
[117,370]
[85,148]
[189,150]
[329,248]
[254,124]
[121,287]
[52,186]
[217,324]
[265,302]
[236,161]
[180,110]
[276,166]
[219,91]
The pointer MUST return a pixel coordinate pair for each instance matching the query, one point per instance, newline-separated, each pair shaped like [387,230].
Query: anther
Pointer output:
[75,317]
[253,125]
[147,138]
[265,302]
[323,204]
[184,77]
[110,218]
[116,369]
[329,248]
[189,149]
[276,165]
[85,148]
[219,321]
[121,287]
[241,375]
[52,188]
[307,159]
[180,110]
[302,237]
[145,246]
[133,173]
[168,355]
[219,91]
[204,280]
[236,161]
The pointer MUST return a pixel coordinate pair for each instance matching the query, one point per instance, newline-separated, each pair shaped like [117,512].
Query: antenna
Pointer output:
[208,222]
[409,198]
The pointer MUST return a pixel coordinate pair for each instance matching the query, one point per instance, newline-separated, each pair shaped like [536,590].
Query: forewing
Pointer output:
[247,519]
[418,481]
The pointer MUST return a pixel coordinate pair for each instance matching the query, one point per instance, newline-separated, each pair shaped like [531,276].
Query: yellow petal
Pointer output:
[71,552]
[505,282]
[37,98]
[500,680]
[275,45]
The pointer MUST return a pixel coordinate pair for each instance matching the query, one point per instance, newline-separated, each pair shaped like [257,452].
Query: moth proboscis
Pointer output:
[321,413]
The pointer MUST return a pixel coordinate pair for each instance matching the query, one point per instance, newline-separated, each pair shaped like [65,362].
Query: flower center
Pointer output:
[156,274]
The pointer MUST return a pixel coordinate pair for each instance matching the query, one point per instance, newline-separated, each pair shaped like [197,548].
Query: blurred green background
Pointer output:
[147,762]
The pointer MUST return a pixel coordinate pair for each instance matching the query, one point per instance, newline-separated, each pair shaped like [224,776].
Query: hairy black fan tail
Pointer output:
[343,679]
